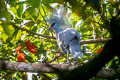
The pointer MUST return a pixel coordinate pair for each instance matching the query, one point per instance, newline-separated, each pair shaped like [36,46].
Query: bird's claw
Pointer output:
[68,62]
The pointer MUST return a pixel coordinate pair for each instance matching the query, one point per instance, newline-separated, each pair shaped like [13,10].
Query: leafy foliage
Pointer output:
[26,19]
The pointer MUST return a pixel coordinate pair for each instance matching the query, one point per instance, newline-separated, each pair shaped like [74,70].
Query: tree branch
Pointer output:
[81,42]
[90,41]
[49,68]
[32,32]
[34,67]
[56,57]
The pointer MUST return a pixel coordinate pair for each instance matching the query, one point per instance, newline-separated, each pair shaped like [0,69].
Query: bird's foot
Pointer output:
[75,62]
[68,62]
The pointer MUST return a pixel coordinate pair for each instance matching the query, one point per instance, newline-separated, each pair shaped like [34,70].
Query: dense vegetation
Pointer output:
[25,23]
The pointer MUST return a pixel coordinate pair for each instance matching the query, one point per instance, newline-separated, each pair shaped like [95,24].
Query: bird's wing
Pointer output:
[75,49]
[70,39]
[68,35]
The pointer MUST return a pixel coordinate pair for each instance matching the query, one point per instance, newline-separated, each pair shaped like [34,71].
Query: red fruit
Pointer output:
[21,57]
[30,46]
[18,49]
[99,50]
[33,50]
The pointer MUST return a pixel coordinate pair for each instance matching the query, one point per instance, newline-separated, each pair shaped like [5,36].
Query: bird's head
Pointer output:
[57,19]
[52,22]
[51,26]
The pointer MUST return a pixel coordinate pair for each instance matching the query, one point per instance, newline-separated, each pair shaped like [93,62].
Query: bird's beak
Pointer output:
[51,26]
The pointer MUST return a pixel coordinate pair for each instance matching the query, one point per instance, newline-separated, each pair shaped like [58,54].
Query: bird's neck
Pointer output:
[57,29]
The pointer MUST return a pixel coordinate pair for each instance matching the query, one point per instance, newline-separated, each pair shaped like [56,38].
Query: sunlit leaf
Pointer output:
[6,15]
[29,12]
[20,10]
[4,37]
[8,29]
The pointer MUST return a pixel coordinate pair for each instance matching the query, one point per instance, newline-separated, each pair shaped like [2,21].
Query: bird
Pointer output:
[68,39]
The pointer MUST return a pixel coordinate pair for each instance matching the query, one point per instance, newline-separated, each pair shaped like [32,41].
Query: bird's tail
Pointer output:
[75,48]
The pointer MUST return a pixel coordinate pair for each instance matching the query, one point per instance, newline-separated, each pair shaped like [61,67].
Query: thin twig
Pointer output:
[23,29]
[56,57]
[90,41]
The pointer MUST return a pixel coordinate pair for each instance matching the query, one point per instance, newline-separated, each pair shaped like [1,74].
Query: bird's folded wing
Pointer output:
[68,35]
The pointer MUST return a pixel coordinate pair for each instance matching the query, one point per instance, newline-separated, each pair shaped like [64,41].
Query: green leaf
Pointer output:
[4,37]
[7,29]
[30,12]
[34,3]
[13,9]
[34,29]
[20,10]
[6,15]
[18,35]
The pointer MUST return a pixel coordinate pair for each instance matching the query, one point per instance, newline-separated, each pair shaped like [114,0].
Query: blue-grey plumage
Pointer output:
[74,47]
[68,39]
